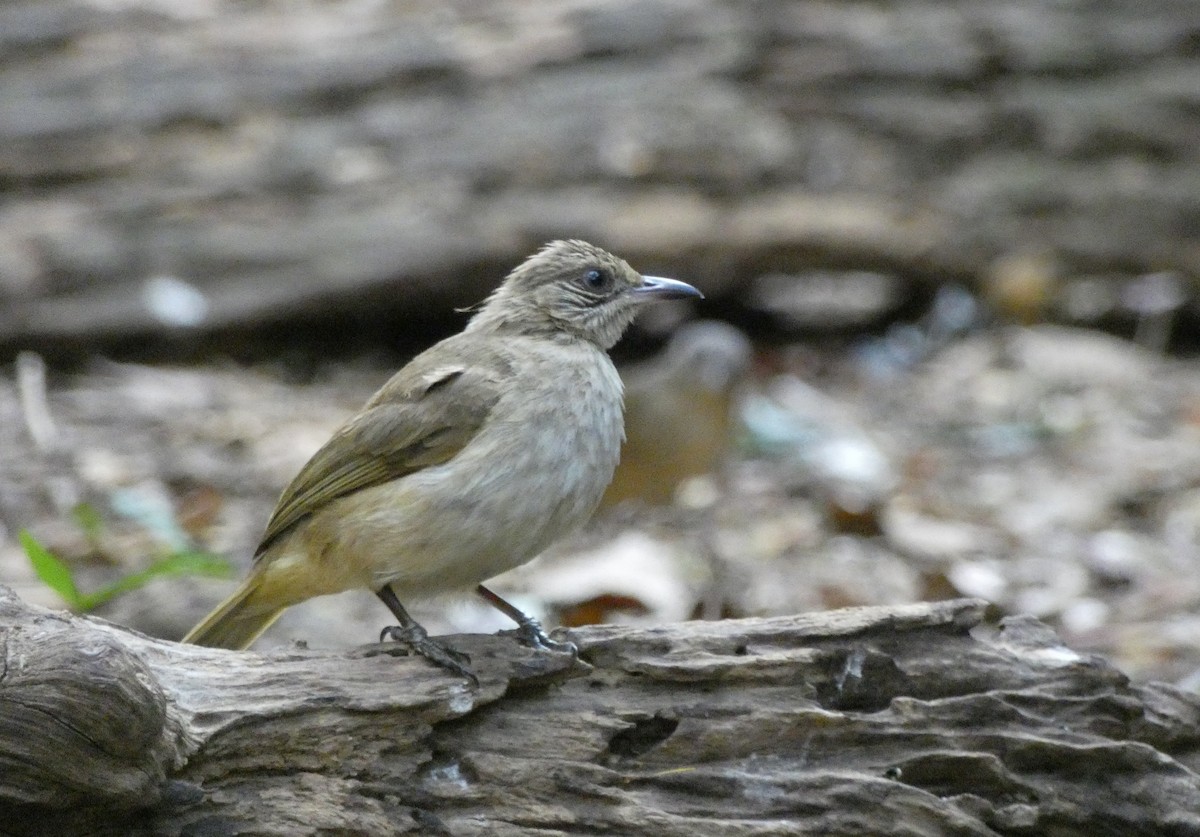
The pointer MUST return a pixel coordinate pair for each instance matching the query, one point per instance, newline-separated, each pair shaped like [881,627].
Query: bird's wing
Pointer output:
[423,416]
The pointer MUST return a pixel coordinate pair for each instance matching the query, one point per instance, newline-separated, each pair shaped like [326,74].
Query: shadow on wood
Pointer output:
[899,720]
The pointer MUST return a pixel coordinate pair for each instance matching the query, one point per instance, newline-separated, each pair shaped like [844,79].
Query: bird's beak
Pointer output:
[658,287]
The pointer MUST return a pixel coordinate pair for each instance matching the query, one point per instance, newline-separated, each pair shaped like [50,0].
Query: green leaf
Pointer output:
[57,575]
[179,563]
[51,570]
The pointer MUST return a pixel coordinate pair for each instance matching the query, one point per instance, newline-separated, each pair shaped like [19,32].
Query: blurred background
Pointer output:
[951,251]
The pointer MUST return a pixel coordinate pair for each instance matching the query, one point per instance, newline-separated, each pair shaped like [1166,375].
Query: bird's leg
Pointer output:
[529,630]
[410,632]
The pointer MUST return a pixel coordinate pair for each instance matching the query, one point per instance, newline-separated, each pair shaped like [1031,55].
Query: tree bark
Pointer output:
[907,720]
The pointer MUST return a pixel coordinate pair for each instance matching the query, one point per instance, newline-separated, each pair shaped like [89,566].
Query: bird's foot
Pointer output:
[529,632]
[416,638]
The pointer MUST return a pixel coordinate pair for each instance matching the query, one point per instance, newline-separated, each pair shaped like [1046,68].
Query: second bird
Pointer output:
[471,460]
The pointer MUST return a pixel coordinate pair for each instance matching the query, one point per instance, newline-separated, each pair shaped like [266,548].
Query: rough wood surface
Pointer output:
[863,721]
[278,157]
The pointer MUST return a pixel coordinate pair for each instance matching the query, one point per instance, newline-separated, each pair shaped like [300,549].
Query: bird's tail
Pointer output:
[237,621]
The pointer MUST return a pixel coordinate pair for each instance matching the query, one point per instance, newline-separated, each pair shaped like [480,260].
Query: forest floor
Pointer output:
[1049,470]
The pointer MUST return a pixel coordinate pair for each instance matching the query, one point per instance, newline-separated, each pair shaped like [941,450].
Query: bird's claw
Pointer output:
[415,637]
[529,632]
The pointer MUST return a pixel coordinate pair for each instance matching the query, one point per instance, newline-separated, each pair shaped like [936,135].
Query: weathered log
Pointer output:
[881,721]
[279,157]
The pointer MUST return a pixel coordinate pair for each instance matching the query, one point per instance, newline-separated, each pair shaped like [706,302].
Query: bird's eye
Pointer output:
[597,279]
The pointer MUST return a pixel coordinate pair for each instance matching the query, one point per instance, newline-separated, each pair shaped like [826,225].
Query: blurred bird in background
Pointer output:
[680,409]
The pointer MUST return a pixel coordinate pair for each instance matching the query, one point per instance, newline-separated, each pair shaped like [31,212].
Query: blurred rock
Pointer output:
[827,300]
[1155,299]
[925,537]
[818,436]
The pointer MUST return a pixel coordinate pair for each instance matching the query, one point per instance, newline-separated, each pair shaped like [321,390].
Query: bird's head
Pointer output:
[708,354]
[575,288]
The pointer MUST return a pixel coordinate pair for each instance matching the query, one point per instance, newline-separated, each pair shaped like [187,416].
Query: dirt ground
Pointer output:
[1052,471]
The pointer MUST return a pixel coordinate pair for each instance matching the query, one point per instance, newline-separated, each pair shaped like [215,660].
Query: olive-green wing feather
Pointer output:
[422,417]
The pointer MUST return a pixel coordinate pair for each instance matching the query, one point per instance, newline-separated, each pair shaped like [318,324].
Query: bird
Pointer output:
[679,412]
[471,460]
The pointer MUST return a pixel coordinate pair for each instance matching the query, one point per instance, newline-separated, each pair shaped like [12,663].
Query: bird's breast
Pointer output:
[533,473]
[553,442]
